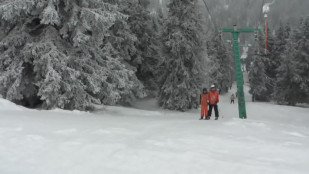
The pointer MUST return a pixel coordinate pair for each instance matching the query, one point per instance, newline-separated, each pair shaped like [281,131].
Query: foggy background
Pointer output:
[248,12]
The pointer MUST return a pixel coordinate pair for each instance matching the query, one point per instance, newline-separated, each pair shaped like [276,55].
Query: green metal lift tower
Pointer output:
[240,89]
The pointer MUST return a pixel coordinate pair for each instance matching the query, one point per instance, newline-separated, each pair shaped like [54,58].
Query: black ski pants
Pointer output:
[215,108]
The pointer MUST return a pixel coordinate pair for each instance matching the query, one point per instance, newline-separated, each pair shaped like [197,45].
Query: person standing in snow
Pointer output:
[213,97]
[204,104]
[232,98]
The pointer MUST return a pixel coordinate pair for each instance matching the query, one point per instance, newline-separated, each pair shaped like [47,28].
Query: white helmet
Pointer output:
[212,86]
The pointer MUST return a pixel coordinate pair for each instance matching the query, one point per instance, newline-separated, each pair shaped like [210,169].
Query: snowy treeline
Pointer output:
[283,73]
[72,54]
[69,54]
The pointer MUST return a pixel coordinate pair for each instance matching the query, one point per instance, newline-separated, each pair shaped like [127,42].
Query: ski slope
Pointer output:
[145,139]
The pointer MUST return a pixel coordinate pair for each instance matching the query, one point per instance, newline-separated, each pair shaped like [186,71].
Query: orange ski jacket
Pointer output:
[204,99]
[213,97]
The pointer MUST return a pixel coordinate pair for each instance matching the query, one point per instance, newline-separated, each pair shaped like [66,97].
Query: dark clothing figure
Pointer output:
[232,98]
[216,110]
[213,101]
[253,98]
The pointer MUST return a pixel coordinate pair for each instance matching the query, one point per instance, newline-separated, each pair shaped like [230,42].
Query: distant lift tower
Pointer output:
[240,89]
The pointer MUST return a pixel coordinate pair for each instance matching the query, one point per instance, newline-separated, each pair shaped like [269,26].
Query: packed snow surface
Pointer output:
[145,139]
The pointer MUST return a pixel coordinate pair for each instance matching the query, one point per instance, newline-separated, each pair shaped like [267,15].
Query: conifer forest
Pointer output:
[75,54]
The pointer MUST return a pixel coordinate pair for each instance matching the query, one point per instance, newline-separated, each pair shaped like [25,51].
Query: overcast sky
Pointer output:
[247,12]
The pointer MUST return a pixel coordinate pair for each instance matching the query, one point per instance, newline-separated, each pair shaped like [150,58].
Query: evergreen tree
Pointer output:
[145,27]
[287,31]
[183,52]
[257,78]
[292,76]
[121,37]
[221,63]
[215,75]
[270,65]
[289,81]
[282,35]
[251,53]
[302,57]
[297,32]
[51,54]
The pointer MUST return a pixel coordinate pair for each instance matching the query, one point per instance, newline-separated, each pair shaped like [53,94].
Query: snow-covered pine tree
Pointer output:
[148,52]
[183,52]
[122,41]
[271,62]
[51,54]
[222,64]
[302,57]
[120,37]
[269,66]
[281,37]
[214,74]
[251,52]
[257,78]
[297,31]
[287,30]
[280,42]
[289,81]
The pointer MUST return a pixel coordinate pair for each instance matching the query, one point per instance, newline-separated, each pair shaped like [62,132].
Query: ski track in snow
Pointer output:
[146,139]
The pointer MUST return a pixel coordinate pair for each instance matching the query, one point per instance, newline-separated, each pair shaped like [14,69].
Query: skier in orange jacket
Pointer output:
[213,97]
[204,104]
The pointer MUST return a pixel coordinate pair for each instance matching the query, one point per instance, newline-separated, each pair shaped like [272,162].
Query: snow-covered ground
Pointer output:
[117,140]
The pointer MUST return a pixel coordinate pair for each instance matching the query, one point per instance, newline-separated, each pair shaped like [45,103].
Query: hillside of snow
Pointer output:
[145,139]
